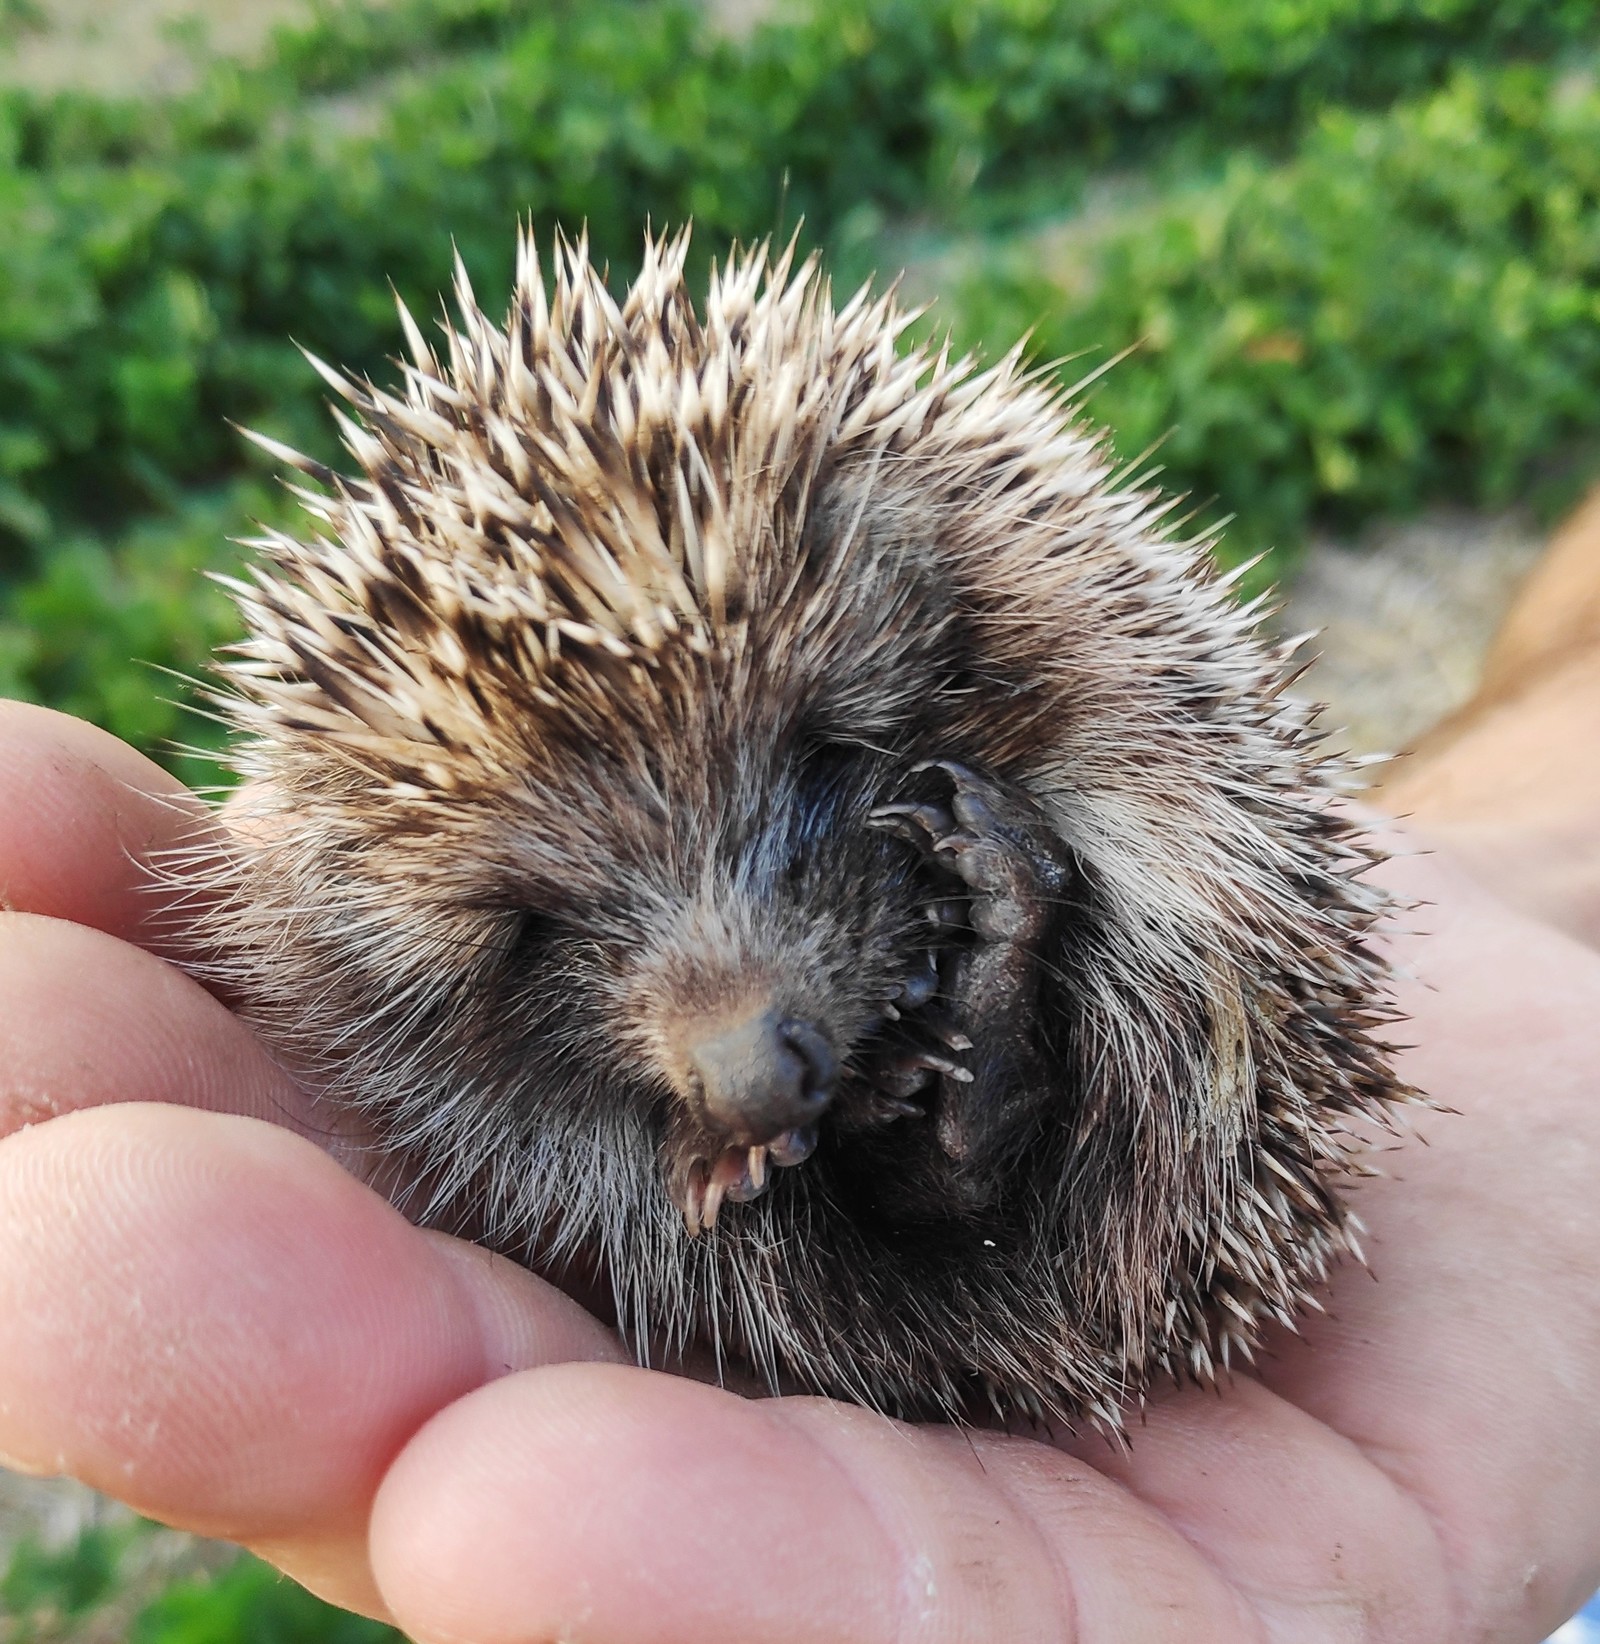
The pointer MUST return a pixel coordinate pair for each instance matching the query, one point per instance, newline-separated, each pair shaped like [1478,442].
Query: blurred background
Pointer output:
[1351,247]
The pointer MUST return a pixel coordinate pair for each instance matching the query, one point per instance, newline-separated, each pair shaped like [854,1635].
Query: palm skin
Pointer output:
[206,1316]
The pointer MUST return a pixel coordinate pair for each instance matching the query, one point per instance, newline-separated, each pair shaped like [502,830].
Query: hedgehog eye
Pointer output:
[532,932]
[823,763]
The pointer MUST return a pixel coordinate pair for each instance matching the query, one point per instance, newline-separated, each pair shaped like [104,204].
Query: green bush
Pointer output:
[99,1585]
[154,266]
[46,1592]
[1408,309]
[250,1603]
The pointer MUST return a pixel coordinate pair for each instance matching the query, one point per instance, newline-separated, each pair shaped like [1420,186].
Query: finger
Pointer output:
[608,1505]
[1514,793]
[86,1020]
[208,1319]
[82,816]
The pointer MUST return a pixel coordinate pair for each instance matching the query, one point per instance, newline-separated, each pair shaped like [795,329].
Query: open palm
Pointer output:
[206,1316]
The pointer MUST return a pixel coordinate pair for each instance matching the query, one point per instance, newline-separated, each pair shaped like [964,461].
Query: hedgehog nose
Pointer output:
[764,1075]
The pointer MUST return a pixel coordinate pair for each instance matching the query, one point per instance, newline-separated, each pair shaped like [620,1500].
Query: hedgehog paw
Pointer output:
[1005,851]
[991,841]
[994,840]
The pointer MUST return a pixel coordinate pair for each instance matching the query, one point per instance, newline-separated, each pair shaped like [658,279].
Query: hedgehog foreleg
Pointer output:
[993,839]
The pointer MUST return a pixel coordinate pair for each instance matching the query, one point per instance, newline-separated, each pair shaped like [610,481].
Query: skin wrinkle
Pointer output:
[963,1453]
[1061,1583]
[1122,1473]
[1065,1586]
[794,1417]
[1243,1612]
[1386,1460]
[1370,1608]
[1445,1577]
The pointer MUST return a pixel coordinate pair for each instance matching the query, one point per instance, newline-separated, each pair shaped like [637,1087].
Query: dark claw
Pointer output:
[951,1070]
[886,1109]
[947,1033]
[918,1066]
[963,776]
[921,824]
[946,916]
[970,803]
[793,1146]
[957,843]
[902,1077]
[918,989]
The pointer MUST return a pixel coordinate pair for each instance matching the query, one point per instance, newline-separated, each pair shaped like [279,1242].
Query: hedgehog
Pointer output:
[760,819]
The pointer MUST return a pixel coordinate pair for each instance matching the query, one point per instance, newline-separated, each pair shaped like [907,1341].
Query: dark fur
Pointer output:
[573,730]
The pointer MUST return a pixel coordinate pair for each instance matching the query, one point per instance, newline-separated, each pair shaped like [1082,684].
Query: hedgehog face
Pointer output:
[769,951]
[739,932]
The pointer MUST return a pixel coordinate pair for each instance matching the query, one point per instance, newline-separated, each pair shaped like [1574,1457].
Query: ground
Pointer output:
[130,45]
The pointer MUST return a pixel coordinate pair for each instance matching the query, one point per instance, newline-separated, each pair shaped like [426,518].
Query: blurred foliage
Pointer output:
[1408,308]
[1355,239]
[250,1603]
[46,1592]
[104,1584]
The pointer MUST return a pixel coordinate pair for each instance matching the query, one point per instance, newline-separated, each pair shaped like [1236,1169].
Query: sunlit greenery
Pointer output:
[99,1584]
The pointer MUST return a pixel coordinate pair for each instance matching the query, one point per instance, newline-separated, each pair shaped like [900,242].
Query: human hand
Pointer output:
[210,1319]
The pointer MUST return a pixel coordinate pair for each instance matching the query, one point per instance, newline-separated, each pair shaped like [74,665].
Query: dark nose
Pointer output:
[764,1075]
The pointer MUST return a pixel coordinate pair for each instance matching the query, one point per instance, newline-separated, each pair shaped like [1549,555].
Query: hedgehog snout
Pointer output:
[752,1088]
[763,1075]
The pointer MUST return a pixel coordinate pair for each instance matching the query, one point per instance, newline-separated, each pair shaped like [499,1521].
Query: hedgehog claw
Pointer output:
[917,823]
[948,1034]
[903,1077]
[998,844]
[907,1074]
[793,1146]
[917,990]
[945,915]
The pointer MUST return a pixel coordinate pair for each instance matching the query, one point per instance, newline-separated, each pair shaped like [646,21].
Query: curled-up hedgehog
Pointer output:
[760,814]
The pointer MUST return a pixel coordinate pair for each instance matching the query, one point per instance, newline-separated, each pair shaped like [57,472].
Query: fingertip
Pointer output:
[614,1505]
[523,1321]
[87,1020]
[207,1318]
[83,817]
